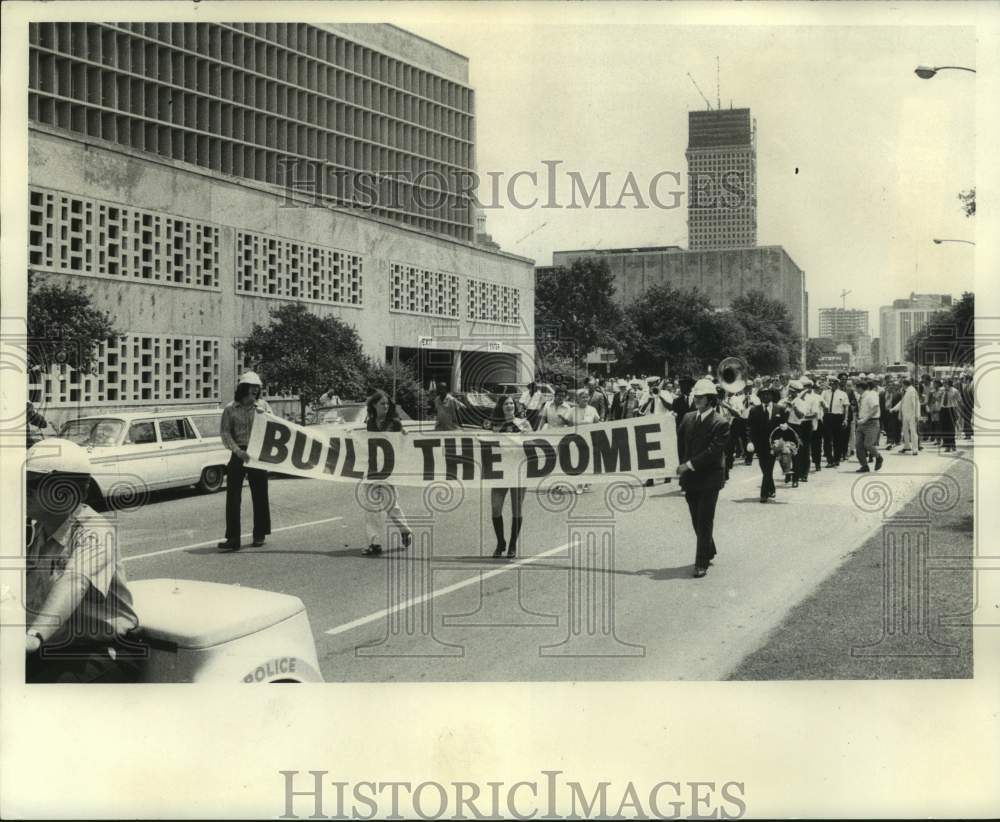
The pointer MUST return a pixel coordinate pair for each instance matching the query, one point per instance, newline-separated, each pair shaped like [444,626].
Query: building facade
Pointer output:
[720,275]
[159,159]
[722,171]
[904,318]
[842,323]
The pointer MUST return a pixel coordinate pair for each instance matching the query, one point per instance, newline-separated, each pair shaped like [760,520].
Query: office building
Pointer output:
[722,174]
[842,323]
[195,175]
[904,318]
[720,275]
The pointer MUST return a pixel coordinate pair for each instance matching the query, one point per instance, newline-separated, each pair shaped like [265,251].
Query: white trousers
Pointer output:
[382,508]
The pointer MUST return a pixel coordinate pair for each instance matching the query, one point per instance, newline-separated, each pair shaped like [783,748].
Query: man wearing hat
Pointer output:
[763,418]
[835,407]
[701,446]
[800,418]
[81,621]
[237,420]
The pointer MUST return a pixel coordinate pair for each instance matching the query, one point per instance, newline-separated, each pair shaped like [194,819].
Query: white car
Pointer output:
[136,452]
[208,632]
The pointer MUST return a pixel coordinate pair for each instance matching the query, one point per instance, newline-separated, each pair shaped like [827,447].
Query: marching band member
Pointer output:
[762,419]
[800,419]
[701,445]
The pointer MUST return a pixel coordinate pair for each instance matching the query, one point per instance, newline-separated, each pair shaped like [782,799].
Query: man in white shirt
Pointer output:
[834,400]
[816,416]
[868,427]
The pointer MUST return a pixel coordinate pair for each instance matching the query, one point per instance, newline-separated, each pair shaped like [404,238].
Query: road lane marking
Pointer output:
[403,606]
[215,541]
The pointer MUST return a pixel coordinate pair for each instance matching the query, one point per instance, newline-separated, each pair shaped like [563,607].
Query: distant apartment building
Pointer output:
[904,318]
[722,172]
[841,323]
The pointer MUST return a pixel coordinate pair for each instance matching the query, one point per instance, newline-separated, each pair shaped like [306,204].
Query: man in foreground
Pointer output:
[701,447]
[81,623]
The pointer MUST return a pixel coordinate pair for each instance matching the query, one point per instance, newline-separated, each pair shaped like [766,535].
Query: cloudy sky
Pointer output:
[859,161]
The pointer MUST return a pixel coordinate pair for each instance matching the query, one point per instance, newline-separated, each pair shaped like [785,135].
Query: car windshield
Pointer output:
[100,433]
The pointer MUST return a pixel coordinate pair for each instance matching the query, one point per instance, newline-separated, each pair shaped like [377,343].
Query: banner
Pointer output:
[640,448]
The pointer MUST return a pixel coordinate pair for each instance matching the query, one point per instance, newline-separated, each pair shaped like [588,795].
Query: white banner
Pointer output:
[639,448]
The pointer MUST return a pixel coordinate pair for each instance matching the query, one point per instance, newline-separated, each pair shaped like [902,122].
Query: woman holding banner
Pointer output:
[505,423]
[382,416]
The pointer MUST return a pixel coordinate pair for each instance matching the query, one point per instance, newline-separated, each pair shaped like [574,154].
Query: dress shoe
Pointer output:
[699,572]
[795,483]
[258,542]
[228,545]
[878,462]
[763,499]
[864,469]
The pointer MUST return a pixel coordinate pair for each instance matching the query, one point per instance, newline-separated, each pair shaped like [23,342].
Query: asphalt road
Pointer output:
[620,604]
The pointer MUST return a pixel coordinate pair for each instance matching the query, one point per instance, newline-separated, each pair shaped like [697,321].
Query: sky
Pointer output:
[859,161]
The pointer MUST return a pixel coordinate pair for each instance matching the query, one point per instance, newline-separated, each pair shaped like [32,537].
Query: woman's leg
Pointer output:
[497,496]
[516,506]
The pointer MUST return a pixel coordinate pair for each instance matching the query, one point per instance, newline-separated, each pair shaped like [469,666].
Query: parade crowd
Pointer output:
[83,628]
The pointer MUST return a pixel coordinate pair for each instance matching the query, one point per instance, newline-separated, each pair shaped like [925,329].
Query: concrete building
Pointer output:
[842,323]
[195,175]
[722,171]
[721,275]
[904,318]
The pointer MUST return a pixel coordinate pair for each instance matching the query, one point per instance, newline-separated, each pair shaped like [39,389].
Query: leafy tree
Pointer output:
[772,343]
[576,306]
[948,338]
[303,354]
[676,328]
[817,347]
[64,326]
[402,379]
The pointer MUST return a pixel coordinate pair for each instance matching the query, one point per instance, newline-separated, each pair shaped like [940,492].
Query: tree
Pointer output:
[401,379]
[817,347]
[576,306]
[772,343]
[64,326]
[303,354]
[948,338]
[676,328]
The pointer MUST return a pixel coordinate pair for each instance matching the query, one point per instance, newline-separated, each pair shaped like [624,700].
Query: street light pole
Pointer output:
[946,240]
[926,72]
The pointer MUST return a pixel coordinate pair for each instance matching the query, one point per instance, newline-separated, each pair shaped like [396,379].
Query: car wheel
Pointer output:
[212,479]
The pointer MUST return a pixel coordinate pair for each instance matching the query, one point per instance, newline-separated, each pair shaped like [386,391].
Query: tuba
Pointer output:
[730,372]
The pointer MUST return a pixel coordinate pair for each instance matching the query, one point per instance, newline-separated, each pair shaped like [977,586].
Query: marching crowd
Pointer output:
[82,625]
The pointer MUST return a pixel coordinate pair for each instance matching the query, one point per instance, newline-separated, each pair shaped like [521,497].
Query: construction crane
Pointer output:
[843,297]
[703,97]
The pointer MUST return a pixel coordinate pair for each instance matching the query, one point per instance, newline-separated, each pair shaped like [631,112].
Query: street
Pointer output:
[445,610]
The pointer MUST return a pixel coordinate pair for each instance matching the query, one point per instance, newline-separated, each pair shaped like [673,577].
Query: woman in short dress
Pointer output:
[504,422]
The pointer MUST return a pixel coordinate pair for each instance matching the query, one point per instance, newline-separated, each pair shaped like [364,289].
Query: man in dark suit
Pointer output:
[701,449]
[763,419]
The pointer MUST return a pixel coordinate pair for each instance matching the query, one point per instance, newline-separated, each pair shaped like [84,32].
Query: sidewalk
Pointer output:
[816,638]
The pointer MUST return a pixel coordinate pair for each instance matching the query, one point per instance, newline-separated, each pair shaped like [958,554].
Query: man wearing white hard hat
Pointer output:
[237,420]
[701,448]
[80,618]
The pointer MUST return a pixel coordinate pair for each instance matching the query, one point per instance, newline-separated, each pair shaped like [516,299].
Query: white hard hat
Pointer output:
[795,385]
[249,378]
[704,388]
[57,455]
